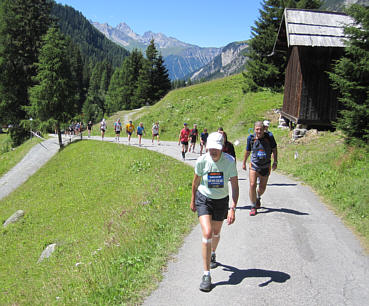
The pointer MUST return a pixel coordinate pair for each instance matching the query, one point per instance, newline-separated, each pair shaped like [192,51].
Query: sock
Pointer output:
[257,194]
[253,205]
[206,272]
[212,252]
[183,154]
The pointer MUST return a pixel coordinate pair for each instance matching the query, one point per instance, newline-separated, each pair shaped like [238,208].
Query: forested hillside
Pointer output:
[93,44]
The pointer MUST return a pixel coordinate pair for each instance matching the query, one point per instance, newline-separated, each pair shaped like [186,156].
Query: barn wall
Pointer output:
[318,102]
[292,85]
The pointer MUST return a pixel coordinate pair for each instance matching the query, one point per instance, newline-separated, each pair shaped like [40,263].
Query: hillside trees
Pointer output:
[22,24]
[139,81]
[264,69]
[351,78]
[54,99]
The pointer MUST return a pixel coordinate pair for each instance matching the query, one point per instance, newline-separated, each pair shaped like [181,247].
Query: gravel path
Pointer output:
[294,252]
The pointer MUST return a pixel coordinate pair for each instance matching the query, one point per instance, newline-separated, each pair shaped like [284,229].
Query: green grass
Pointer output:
[338,173]
[117,210]
[9,156]
[210,105]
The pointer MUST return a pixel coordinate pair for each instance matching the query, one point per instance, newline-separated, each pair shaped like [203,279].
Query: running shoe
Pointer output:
[253,211]
[258,203]
[213,262]
[205,283]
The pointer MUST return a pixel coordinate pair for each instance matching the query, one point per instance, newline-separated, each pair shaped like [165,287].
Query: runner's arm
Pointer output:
[275,158]
[235,193]
[195,184]
[247,154]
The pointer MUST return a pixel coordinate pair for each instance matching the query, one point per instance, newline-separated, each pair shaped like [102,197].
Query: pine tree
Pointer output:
[53,99]
[22,24]
[351,78]
[264,69]
[162,83]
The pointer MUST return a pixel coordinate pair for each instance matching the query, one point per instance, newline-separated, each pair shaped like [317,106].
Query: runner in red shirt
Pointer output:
[183,139]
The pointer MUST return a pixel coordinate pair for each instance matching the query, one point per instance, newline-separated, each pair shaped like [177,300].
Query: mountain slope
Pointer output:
[230,61]
[181,59]
[94,45]
[338,5]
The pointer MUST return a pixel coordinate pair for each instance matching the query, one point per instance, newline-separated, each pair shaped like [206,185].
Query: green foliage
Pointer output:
[94,46]
[113,236]
[351,78]
[54,98]
[22,24]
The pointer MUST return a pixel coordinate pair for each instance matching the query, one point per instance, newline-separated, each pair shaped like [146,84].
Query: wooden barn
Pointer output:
[313,40]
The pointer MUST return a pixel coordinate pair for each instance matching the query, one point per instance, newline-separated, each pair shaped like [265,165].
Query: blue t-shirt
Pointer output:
[261,150]
[204,136]
[140,130]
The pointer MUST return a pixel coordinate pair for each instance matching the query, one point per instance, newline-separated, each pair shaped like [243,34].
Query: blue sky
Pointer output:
[206,23]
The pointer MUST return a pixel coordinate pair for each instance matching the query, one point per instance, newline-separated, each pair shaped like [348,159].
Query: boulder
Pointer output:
[47,252]
[14,218]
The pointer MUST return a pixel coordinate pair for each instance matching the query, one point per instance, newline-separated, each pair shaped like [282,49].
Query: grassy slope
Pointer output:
[110,208]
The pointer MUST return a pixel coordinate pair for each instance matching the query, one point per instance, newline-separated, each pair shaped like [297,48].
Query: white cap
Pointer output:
[266,123]
[215,141]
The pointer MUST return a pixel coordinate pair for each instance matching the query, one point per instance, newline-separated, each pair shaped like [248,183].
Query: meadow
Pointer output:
[109,208]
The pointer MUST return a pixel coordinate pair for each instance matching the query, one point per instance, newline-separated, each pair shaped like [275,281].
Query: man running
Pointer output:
[103,128]
[140,132]
[260,146]
[89,128]
[155,132]
[183,139]
[194,136]
[210,198]
[204,138]
[117,129]
[130,128]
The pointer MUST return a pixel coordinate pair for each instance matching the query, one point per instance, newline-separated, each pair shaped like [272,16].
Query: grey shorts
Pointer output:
[216,208]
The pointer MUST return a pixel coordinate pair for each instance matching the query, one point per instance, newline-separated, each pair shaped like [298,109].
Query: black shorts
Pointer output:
[184,143]
[154,135]
[102,130]
[261,171]
[193,139]
[117,132]
[216,208]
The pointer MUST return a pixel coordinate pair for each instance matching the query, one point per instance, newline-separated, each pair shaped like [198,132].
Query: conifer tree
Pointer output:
[351,78]
[53,99]
[264,69]
[22,24]
[162,83]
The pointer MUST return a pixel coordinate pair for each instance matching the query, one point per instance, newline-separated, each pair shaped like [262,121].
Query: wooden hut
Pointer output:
[313,40]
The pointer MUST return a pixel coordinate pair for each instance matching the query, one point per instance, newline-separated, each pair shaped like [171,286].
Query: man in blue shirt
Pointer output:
[260,146]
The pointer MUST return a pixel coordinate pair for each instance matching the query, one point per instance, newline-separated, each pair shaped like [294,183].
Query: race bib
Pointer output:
[215,180]
[261,154]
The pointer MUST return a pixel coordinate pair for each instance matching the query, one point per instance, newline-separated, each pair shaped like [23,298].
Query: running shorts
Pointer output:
[184,143]
[117,132]
[216,208]
[129,133]
[261,171]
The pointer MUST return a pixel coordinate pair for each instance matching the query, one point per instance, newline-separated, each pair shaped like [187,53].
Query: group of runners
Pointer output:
[188,138]
[210,191]
[130,130]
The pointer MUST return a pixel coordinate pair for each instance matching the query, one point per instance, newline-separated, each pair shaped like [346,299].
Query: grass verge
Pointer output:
[110,210]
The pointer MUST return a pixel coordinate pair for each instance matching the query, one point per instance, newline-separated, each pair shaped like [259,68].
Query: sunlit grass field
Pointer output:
[115,212]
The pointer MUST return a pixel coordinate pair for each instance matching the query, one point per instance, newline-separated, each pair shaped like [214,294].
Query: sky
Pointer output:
[205,23]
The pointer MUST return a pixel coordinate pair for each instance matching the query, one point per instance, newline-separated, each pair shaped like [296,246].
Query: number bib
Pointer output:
[261,154]
[215,180]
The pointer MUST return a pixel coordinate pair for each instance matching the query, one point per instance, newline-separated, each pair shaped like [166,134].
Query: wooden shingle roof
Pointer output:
[311,28]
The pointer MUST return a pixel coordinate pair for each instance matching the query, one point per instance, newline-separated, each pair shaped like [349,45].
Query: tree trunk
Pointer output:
[59,135]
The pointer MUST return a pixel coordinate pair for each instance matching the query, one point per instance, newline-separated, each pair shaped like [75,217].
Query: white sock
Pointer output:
[206,272]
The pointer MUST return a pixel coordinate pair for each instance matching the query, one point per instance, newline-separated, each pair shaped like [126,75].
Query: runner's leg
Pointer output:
[207,234]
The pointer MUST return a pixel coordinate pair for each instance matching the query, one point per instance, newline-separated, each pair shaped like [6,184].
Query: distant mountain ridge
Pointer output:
[181,59]
[338,5]
[231,60]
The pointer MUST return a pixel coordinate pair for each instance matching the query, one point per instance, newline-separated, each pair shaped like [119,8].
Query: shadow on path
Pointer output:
[267,210]
[238,275]
[282,185]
